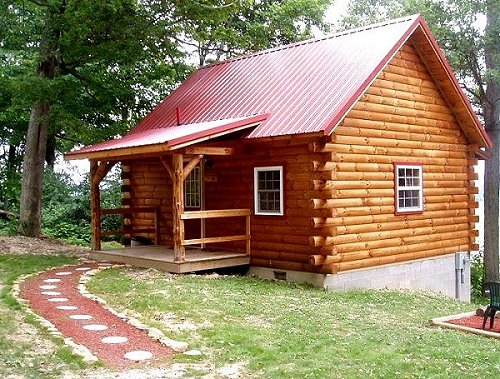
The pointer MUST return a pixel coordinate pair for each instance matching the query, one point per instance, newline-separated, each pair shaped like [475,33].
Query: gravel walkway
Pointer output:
[54,295]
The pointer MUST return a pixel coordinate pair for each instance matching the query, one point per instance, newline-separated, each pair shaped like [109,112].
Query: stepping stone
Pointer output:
[48,287]
[63,273]
[138,355]
[80,317]
[95,327]
[67,307]
[82,268]
[52,280]
[58,299]
[114,339]
[51,293]
[104,264]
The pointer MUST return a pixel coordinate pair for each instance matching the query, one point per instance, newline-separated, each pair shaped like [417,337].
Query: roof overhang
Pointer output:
[164,140]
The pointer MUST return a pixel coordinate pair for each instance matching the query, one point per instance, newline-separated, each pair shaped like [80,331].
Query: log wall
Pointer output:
[146,184]
[276,241]
[401,118]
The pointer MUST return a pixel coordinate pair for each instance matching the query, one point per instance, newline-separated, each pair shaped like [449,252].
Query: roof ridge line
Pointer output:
[314,40]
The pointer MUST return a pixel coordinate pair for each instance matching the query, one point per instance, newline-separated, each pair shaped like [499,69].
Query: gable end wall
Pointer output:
[402,117]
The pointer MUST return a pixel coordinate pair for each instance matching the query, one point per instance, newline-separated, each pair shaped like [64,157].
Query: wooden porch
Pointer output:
[162,258]
[180,254]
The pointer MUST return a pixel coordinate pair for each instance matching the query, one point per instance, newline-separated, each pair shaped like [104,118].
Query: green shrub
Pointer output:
[477,276]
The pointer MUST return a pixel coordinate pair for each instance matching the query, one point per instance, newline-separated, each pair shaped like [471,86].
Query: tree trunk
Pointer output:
[30,213]
[492,125]
[30,223]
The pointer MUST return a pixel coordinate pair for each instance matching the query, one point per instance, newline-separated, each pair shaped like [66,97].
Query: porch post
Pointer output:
[95,206]
[178,207]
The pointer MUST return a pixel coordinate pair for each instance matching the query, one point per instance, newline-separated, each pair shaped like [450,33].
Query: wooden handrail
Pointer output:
[219,213]
[215,214]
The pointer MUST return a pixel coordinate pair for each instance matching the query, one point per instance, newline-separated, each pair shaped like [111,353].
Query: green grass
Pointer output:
[27,350]
[283,330]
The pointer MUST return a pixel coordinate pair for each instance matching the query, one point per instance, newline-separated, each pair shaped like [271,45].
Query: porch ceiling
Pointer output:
[165,139]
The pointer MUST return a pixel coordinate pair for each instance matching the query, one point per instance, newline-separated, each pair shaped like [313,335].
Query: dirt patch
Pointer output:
[44,245]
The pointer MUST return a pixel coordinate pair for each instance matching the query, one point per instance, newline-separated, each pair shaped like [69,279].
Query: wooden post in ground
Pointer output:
[95,206]
[97,173]
[178,207]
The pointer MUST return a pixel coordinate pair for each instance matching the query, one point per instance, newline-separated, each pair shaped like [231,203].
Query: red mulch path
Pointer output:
[476,322]
[112,354]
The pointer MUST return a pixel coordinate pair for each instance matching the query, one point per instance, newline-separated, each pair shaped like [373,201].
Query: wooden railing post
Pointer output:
[157,226]
[248,234]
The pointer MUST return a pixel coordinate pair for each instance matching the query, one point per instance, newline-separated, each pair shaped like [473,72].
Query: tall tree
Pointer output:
[97,66]
[491,107]
[88,59]
[474,53]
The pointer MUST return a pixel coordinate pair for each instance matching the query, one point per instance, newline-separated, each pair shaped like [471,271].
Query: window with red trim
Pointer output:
[409,188]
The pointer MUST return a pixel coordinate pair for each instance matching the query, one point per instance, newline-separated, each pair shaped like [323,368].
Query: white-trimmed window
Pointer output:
[268,190]
[192,189]
[409,188]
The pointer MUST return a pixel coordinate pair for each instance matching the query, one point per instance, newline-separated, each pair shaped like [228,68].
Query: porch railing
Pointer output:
[129,230]
[220,213]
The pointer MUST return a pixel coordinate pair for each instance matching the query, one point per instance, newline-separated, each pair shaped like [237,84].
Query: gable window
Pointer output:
[192,189]
[268,190]
[409,188]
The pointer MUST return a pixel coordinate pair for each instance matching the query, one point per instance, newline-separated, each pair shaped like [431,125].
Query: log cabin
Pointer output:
[346,161]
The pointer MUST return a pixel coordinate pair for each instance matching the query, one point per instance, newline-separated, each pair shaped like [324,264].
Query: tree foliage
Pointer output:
[81,71]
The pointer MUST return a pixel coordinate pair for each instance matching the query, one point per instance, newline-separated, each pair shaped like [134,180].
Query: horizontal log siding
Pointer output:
[147,185]
[276,241]
[401,118]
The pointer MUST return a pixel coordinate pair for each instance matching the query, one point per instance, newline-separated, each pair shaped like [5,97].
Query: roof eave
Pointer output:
[168,146]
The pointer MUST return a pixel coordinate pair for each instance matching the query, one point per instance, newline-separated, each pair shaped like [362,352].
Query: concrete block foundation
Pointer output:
[447,274]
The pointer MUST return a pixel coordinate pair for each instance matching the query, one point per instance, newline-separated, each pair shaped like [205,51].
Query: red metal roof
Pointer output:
[305,87]
[174,137]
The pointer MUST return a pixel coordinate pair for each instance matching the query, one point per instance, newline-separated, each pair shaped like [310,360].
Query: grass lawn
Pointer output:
[260,328]
[283,330]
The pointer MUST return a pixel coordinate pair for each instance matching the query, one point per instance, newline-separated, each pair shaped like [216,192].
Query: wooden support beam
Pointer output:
[95,205]
[168,167]
[209,150]
[178,207]
[191,165]
[101,170]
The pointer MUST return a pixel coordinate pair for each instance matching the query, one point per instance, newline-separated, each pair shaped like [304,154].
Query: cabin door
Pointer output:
[194,200]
